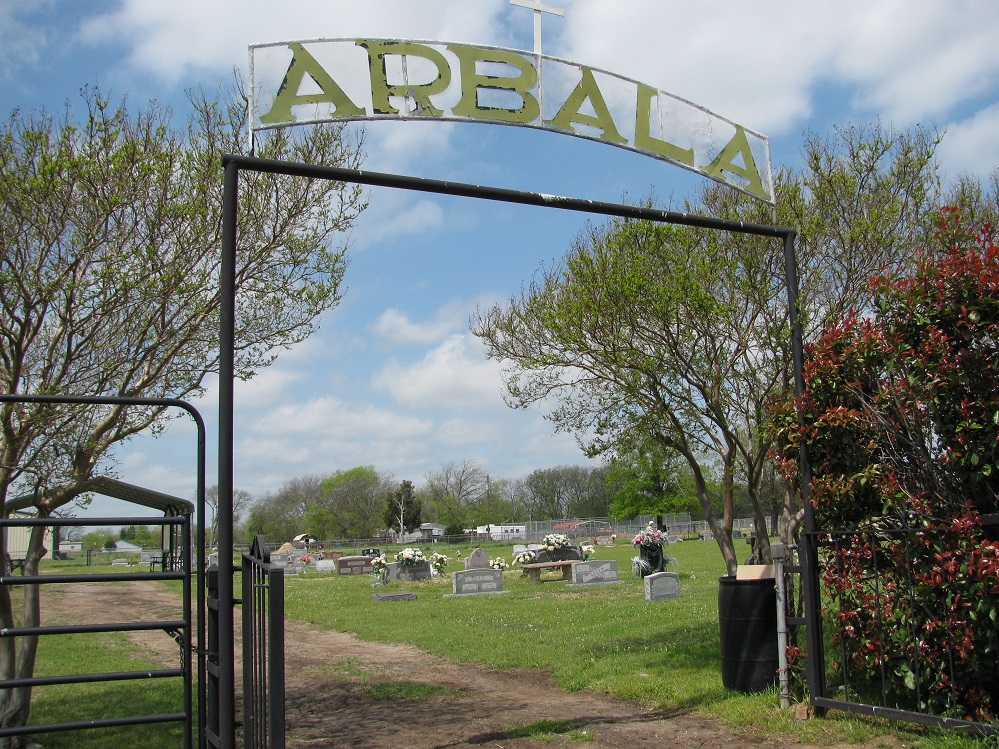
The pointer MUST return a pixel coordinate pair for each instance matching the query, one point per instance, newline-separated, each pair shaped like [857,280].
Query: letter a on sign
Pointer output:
[303,63]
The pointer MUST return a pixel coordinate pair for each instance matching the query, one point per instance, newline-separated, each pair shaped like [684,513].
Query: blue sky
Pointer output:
[393,378]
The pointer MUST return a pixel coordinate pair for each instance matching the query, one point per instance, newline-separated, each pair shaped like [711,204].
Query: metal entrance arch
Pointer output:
[226,684]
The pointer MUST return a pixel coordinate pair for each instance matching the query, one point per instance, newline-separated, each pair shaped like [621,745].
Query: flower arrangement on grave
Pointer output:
[555,541]
[588,551]
[499,563]
[650,537]
[524,557]
[438,562]
[379,568]
[643,566]
[410,557]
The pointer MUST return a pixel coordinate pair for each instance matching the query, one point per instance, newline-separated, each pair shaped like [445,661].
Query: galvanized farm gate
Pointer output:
[177,564]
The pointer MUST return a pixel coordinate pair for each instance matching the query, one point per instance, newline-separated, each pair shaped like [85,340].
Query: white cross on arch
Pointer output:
[538,7]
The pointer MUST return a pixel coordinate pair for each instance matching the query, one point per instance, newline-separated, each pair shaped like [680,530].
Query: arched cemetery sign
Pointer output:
[326,80]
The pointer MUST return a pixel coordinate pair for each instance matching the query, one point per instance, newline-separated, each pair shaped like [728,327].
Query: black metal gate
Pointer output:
[263,649]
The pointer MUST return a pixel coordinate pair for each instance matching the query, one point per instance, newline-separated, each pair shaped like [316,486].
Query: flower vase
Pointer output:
[652,556]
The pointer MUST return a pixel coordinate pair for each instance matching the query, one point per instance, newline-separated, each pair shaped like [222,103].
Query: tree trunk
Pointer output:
[15,704]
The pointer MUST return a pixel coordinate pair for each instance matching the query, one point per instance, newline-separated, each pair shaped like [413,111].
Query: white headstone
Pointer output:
[660,585]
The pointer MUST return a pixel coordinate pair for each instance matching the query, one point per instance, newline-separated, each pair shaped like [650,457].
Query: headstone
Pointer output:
[662,585]
[595,572]
[407,572]
[565,554]
[476,582]
[326,565]
[477,560]
[279,559]
[372,552]
[354,566]
[402,595]
[519,549]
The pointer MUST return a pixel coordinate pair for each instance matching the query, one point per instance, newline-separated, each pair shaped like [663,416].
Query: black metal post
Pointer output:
[227,354]
[815,671]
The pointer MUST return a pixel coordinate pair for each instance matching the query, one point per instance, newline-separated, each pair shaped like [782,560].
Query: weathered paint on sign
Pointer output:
[367,79]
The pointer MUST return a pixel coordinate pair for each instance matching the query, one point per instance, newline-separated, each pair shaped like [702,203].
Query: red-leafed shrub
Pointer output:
[901,420]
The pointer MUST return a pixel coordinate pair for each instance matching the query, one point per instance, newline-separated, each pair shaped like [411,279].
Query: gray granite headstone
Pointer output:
[326,565]
[477,560]
[400,571]
[660,585]
[354,566]
[474,582]
[519,549]
[595,572]
[402,595]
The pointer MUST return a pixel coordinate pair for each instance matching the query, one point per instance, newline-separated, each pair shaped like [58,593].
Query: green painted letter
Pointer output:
[472,81]
[643,136]
[724,162]
[587,89]
[301,63]
[420,93]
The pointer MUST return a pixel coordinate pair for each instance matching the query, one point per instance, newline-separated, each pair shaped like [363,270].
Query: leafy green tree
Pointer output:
[109,231]
[567,492]
[450,494]
[357,498]
[663,333]
[645,480]
[403,510]
[98,539]
[280,516]
[140,535]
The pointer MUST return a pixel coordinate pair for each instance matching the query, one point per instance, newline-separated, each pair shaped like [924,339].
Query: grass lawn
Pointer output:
[98,653]
[608,639]
[605,638]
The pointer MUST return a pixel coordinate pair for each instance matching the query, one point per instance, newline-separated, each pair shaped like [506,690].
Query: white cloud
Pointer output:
[21,41]
[397,328]
[970,146]
[760,63]
[455,376]
[173,40]
[397,214]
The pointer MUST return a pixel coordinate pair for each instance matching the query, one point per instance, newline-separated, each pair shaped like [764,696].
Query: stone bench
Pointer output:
[534,569]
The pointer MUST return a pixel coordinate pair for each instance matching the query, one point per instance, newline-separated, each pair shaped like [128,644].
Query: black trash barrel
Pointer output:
[747,617]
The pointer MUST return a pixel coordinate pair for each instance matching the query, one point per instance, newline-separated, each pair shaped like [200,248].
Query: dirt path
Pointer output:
[342,692]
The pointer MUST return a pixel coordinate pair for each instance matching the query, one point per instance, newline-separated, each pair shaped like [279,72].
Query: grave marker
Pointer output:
[354,566]
[477,560]
[408,572]
[595,572]
[476,582]
[662,585]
